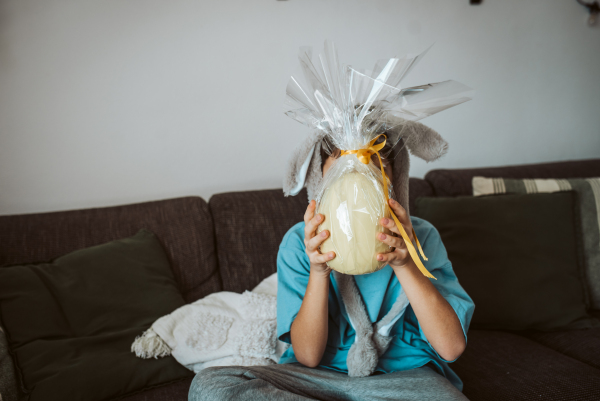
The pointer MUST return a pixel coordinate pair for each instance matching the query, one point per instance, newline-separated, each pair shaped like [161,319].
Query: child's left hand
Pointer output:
[398,256]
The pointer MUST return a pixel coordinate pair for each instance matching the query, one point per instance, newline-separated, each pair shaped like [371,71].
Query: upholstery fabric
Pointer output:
[583,345]
[248,228]
[525,244]
[176,391]
[501,366]
[457,182]
[183,226]
[417,188]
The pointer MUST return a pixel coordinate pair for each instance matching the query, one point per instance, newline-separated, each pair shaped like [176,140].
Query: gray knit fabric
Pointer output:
[369,343]
[294,382]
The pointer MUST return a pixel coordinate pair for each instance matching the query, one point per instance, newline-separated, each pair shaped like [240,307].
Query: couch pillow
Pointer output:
[70,322]
[517,256]
[588,191]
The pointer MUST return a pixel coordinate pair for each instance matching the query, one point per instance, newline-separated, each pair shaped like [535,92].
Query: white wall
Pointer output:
[111,102]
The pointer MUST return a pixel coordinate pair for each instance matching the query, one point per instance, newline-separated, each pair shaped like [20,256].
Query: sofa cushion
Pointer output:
[70,322]
[525,244]
[588,194]
[183,226]
[249,227]
[418,188]
[500,366]
[583,345]
[457,182]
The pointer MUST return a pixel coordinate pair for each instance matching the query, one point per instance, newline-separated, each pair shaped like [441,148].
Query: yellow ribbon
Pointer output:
[364,156]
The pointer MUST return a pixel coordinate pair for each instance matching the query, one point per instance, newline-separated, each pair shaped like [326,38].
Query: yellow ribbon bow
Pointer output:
[364,156]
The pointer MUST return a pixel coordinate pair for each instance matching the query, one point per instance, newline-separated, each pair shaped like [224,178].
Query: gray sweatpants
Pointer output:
[293,381]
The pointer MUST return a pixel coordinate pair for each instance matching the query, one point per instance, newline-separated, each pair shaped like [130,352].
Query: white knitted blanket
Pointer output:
[224,328]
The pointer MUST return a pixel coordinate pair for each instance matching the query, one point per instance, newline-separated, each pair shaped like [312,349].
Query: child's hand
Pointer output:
[399,255]
[313,241]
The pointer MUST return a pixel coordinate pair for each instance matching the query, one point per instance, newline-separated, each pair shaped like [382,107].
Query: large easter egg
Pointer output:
[353,205]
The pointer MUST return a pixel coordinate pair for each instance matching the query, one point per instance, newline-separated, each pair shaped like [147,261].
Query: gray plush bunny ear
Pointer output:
[300,168]
[423,141]
[419,139]
[297,174]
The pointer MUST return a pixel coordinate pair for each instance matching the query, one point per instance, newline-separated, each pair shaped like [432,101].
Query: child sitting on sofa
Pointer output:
[395,344]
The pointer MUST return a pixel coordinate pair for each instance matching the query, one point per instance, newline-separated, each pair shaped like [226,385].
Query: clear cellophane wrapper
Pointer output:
[352,201]
[357,109]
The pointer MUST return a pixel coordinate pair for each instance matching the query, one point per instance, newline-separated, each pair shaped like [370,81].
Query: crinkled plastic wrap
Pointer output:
[354,108]
[353,204]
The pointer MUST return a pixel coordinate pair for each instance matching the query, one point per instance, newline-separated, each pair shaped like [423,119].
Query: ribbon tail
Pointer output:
[411,248]
[419,245]
[364,155]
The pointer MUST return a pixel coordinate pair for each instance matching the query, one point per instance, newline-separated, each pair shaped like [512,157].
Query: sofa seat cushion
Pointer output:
[501,366]
[583,345]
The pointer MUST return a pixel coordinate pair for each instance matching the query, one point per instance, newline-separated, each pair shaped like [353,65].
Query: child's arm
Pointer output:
[309,329]
[437,318]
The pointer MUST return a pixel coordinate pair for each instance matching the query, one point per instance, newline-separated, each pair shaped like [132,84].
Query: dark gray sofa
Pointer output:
[230,243]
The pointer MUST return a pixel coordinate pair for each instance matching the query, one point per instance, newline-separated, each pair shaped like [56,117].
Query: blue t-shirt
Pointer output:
[409,348]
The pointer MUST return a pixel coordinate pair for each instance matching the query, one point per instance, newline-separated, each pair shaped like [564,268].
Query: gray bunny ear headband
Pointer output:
[305,166]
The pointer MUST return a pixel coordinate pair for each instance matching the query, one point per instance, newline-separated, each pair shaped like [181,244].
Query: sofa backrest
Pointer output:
[457,182]
[250,225]
[183,225]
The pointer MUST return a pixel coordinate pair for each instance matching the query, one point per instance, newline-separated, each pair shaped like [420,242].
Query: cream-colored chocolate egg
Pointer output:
[352,206]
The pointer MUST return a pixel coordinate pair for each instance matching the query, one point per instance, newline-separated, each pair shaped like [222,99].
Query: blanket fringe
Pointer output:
[150,345]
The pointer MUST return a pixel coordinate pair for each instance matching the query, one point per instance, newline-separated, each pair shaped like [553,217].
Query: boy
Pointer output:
[312,317]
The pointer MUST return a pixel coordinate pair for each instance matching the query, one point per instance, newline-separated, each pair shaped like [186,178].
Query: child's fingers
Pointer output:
[392,241]
[315,242]
[322,257]
[400,212]
[386,257]
[397,254]
[311,227]
[391,225]
[310,211]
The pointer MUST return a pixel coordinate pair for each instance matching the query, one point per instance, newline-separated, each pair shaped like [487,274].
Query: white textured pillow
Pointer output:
[221,329]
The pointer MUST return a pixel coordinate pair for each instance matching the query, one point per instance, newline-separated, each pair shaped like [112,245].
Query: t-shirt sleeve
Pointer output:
[447,283]
[293,268]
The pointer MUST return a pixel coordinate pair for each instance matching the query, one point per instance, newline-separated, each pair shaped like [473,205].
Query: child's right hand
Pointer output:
[313,241]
